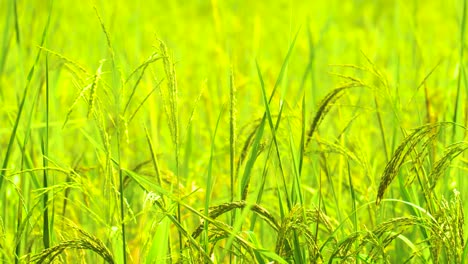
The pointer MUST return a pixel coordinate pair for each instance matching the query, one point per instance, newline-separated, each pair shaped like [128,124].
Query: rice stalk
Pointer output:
[381,127]
[375,242]
[22,223]
[443,163]
[466,106]
[309,69]
[374,70]
[232,132]
[17,28]
[256,148]
[4,208]
[461,71]
[232,142]
[69,62]
[148,185]
[274,127]
[297,224]
[117,88]
[172,114]
[331,147]
[247,143]
[216,211]
[83,90]
[7,35]
[25,161]
[442,232]
[45,153]
[343,250]
[324,107]
[450,228]
[245,251]
[85,241]
[23,98]
[93,88]
[191,242]
[259,131]
[153,58]
[107,35]
[132,116]
[142,67]
[210,180]
[250,129]
[422,135]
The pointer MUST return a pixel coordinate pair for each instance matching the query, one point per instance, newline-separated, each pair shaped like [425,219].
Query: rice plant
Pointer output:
[233,132]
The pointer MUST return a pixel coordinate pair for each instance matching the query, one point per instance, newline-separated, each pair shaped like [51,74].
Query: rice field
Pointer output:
[233,131]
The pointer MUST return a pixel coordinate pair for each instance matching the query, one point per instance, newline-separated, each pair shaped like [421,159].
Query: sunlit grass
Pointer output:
[233,132]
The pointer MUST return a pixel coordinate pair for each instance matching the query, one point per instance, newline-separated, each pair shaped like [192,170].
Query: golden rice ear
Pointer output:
[443,163]
[94,86]
[170,97]
[84,241]
[324,107]
[216,211]
[422,136]
[297,224]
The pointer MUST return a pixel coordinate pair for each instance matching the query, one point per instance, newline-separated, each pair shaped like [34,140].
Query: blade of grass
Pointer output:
[162,240]
[245,180]
[260,191]
[15,125]
[23,100]
[143,102]
[309,69]
[149,186]
[45,154]
[45,215]
[460,70]
[26,161]
[353,202]
[298,254]
[118,91]
[303,134]
[143,67]
[17,29]
[246,176]
[6,39]
[273,129]
[381,127]
[153,158]
[296,188]
[210,182]
[466,104]
[264,176]
[160,243]
[297,198]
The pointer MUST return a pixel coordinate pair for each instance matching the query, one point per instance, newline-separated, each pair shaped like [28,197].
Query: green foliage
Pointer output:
[233,132]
